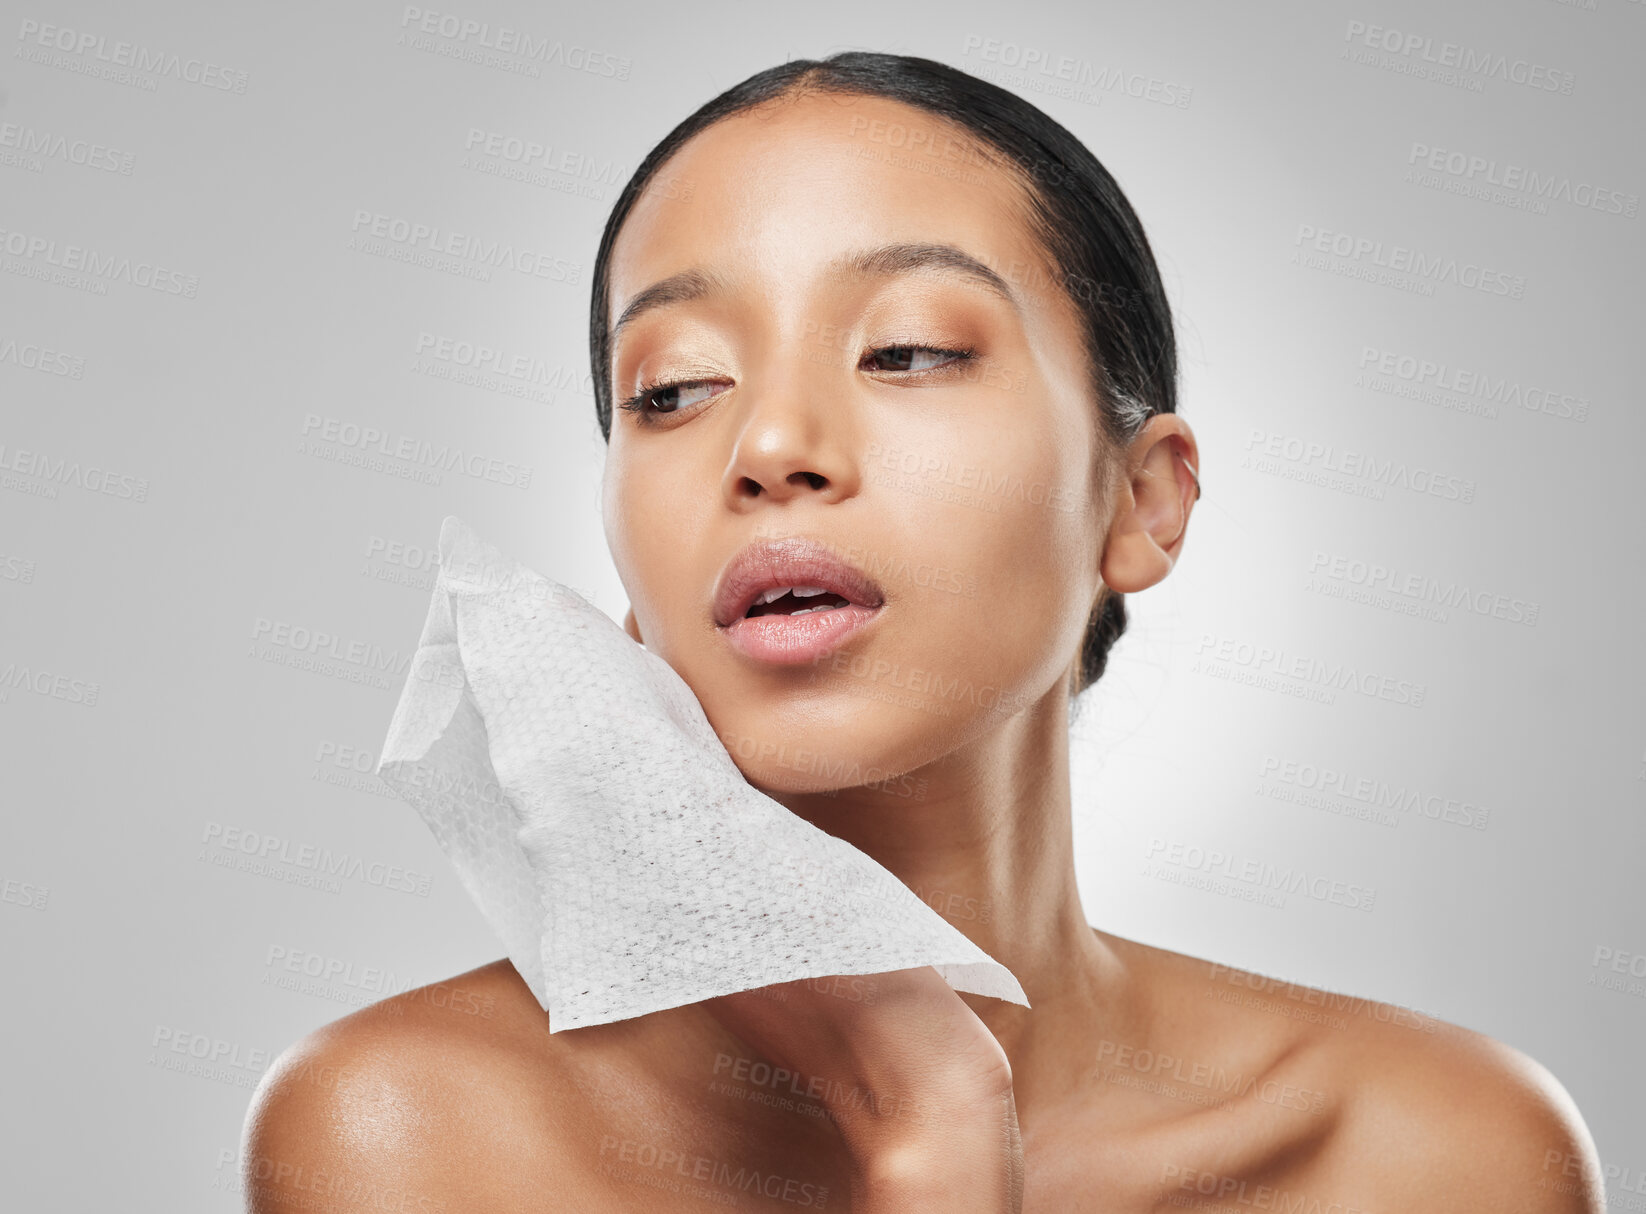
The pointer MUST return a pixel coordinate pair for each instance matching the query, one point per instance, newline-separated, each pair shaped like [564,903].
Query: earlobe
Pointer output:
[630,626]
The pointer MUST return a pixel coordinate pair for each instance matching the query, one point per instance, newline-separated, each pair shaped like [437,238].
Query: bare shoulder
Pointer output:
[1475,1122]
[1426,1115]
[443,1097]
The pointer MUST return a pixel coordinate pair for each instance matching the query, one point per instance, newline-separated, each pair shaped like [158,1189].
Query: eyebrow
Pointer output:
[888,259]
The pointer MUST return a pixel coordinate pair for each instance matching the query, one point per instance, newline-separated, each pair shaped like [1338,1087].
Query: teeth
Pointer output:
[777,592]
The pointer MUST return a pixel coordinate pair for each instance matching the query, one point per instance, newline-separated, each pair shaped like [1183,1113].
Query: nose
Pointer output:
[797,438]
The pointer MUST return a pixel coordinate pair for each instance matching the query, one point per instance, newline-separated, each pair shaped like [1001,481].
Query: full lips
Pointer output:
[790,640]
[789,562]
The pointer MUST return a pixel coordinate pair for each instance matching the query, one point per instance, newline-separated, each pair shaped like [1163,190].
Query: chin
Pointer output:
[821,745]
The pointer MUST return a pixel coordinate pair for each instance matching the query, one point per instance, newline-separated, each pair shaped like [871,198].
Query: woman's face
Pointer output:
[964,487]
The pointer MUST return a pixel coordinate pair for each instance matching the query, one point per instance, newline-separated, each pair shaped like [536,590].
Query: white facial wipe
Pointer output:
[602,828]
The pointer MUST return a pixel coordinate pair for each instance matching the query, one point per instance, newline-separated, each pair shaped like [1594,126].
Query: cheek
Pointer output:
[1001,517]
[1042,553]
[616,513]
[643,535]
[1016,634]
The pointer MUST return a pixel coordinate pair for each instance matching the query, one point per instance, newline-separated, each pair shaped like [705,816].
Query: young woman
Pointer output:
[888,342]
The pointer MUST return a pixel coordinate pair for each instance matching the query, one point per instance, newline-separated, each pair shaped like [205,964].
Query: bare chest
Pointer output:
[757,1143]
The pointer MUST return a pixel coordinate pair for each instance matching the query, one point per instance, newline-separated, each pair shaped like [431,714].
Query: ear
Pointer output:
[629,625]
[1159,485]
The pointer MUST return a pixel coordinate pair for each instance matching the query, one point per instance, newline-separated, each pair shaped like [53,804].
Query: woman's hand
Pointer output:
[919,1088]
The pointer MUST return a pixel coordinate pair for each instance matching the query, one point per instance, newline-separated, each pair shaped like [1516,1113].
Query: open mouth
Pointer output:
[795,600]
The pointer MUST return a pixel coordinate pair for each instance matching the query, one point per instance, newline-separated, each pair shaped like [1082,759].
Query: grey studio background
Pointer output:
[1407,282]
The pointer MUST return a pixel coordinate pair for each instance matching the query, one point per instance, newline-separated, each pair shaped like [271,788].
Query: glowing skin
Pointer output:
[789,433]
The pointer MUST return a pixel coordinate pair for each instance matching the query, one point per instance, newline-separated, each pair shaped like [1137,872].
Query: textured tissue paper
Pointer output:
[598,822]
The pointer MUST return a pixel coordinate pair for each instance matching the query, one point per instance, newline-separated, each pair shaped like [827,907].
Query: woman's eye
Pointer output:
[914,358]
[669,398]
[664,399]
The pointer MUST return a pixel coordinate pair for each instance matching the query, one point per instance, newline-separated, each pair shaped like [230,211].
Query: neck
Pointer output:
[984,836]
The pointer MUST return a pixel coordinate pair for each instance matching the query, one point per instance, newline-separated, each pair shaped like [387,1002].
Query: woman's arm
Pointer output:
[920,1089]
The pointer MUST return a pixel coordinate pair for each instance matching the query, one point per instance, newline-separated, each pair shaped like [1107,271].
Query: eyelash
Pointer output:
[636,404]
